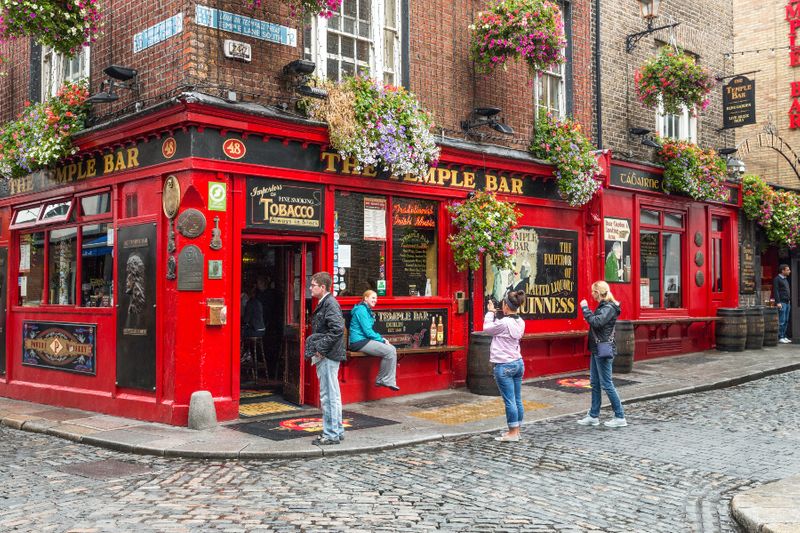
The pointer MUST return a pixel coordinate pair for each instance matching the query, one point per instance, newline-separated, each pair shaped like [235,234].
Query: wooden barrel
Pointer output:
[731,330]
[480,375]
[625,341]
[770,326]
[755,328]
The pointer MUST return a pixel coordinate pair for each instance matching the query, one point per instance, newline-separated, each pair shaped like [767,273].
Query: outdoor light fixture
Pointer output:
[645,134]
[299,67]
[736,167]
[647,141]
[119,78]
[298,72]
[649,10]
[120,73]
[485,116]
[104,96]
[638,131]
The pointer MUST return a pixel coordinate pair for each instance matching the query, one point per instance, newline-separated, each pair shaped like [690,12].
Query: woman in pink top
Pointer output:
[506,359]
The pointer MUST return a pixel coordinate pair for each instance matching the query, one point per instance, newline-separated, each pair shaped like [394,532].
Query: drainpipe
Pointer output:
[598,99]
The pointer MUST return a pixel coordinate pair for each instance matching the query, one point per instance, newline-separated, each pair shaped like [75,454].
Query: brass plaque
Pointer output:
[699,279]
[190,269]
[191,223]
[699,259]
[698,239]
[171,197]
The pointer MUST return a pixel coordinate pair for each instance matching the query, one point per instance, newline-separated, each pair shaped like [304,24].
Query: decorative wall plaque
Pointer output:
[699,279]
[171,267]
[171,236]
[171,197]
[215,269]
[699,259]
[190,269]
[216,239]
[191,223]
[698,239]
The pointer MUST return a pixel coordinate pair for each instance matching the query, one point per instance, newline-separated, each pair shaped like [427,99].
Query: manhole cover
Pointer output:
[106,469]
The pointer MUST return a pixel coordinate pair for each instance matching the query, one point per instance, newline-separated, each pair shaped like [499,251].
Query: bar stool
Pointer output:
[255,345]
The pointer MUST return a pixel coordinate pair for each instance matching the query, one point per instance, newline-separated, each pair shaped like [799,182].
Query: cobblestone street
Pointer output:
[675,468]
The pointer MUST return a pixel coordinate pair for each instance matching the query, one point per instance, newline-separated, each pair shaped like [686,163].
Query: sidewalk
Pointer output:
[425,417]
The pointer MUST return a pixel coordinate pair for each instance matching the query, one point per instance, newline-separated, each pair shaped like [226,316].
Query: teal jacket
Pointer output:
[361,321]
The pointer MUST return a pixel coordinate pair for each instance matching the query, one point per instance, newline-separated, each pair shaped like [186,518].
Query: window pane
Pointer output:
[365,267]
[62,266]
[414,231]
[716,224]
[348,47]
[55,211]
[363,51]
[349,8]
[97,204]
[650,217]
[650,272]
[716,265]
[349,26]
[31,268]
[348,69]
[333,43]
[28,214]
[672,220]
[333,70]
[672,270]
[390,13]
[97,267]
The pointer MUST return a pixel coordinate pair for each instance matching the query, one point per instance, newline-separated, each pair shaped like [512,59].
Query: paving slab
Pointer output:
[770,508]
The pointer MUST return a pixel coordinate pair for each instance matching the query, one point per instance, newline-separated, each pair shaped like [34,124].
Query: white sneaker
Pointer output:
[784,341]
[615,423]
[589,421]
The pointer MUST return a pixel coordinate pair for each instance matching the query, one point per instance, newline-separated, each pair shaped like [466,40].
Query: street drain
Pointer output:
[105,469]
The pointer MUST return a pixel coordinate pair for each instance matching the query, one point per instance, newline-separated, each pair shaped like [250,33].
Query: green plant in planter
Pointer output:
[757,199]
[563,144]
[64,25]
[484,227]
[784,225]
[691,170]
[674,79]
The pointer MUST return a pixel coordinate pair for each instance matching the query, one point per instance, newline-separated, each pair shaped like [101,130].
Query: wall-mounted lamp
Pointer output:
[298,74]
[646,135]
[649,10]
[119,78]
[485,116]
[736,167]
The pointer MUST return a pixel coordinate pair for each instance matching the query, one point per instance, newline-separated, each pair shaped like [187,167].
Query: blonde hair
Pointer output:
[368,293]
[604,291]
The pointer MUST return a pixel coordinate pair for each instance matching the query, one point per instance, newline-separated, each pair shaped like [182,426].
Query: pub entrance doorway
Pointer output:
[275,304]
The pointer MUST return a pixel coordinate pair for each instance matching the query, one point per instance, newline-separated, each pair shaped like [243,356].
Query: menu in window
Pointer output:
[374,219]
[24,257]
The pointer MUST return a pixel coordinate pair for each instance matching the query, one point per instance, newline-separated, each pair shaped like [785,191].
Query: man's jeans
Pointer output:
[330,399]
[600,377]
[508,377]
[783,319]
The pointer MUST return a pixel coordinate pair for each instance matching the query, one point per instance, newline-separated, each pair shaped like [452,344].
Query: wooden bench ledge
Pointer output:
[673,320]
[415,351]
[556,335]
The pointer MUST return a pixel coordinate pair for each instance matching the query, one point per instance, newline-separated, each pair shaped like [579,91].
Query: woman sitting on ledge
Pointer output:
[364,338]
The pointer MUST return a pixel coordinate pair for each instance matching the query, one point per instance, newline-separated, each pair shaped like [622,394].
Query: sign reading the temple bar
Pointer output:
[409,328]
[739,102]
[67,347]
[631,178]
[280,205]
[747,259]
[543,266]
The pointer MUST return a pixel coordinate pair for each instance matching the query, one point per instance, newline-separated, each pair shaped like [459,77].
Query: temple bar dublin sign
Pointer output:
[739,102]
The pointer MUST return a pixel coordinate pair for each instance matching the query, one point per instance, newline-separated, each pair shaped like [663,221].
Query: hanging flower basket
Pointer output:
[484,227]
[691,170]
[531,30]
[674,79]
[301,8]
[381,126]
[777,212]
[64,25]
[567,148]
[42,135]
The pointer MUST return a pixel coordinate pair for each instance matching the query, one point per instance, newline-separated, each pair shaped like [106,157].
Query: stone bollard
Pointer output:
[202,413]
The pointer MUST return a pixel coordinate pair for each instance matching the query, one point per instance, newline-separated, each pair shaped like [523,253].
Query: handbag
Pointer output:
[605,350]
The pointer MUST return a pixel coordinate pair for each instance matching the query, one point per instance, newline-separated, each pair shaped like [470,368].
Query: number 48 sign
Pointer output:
[217,195]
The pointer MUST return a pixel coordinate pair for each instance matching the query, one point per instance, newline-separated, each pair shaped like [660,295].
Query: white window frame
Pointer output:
[559,73]
[54,69]
[687,124]
[316,47]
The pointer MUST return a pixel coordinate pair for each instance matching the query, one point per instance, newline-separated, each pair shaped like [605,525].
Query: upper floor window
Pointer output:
[362,37]
[682,126]
[550,86]
[58,69]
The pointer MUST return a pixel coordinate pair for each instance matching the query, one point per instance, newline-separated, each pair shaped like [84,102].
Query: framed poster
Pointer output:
[617,238]
[59,346]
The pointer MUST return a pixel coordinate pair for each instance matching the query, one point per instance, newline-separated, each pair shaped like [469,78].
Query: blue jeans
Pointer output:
[783,319]
[330,399]
[600,377]
[508,377]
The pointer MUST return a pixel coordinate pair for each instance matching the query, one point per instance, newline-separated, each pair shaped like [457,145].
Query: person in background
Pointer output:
[364,338]
[505,356]
[783,299]
[327,327]
[601,326]
[253,319]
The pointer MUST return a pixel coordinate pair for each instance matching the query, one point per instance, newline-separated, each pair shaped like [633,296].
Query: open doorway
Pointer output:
[274,302]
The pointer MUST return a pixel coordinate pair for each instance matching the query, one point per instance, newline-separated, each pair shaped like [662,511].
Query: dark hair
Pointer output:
[782,267]
[323,279]
[514,299]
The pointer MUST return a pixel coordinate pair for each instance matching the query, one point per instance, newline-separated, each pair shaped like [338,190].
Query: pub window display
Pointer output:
[414,231]
[660,251]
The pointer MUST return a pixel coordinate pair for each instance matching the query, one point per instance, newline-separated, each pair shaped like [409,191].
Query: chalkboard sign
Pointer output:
[408,328]
[413,247]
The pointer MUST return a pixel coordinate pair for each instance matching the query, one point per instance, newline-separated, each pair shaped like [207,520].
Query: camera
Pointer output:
[498,307]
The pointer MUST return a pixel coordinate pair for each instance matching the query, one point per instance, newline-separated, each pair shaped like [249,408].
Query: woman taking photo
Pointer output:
[601,330]
[363,338]
[505,356]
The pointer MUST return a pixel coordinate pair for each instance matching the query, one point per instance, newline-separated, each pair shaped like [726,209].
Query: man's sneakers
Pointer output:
[785,341]
[615,423]
[589,421]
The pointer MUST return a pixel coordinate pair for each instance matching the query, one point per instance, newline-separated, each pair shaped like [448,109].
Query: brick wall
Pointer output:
[705,30]
[441,73]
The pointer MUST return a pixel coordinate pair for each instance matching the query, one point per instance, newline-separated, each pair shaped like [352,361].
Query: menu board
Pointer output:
[414,247]
[408,328]
[374,219]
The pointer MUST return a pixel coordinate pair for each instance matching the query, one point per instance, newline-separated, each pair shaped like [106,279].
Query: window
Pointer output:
[57,69]
[50,268]
[362,37]
[365,248]
[717,254]
[681,127]
[660,253]
[550,87]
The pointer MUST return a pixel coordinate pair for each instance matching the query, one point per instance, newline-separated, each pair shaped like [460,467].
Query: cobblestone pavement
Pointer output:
[674,469]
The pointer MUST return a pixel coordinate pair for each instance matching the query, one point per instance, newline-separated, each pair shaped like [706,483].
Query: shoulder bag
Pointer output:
[605,350]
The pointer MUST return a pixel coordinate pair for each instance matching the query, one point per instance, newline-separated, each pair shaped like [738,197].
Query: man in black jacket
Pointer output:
[783,298]
[327,327]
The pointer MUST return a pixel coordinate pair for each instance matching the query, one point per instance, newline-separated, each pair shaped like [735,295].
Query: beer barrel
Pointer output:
[731,330]
[755,328]
[480,374]
[770,326]
[625,342]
